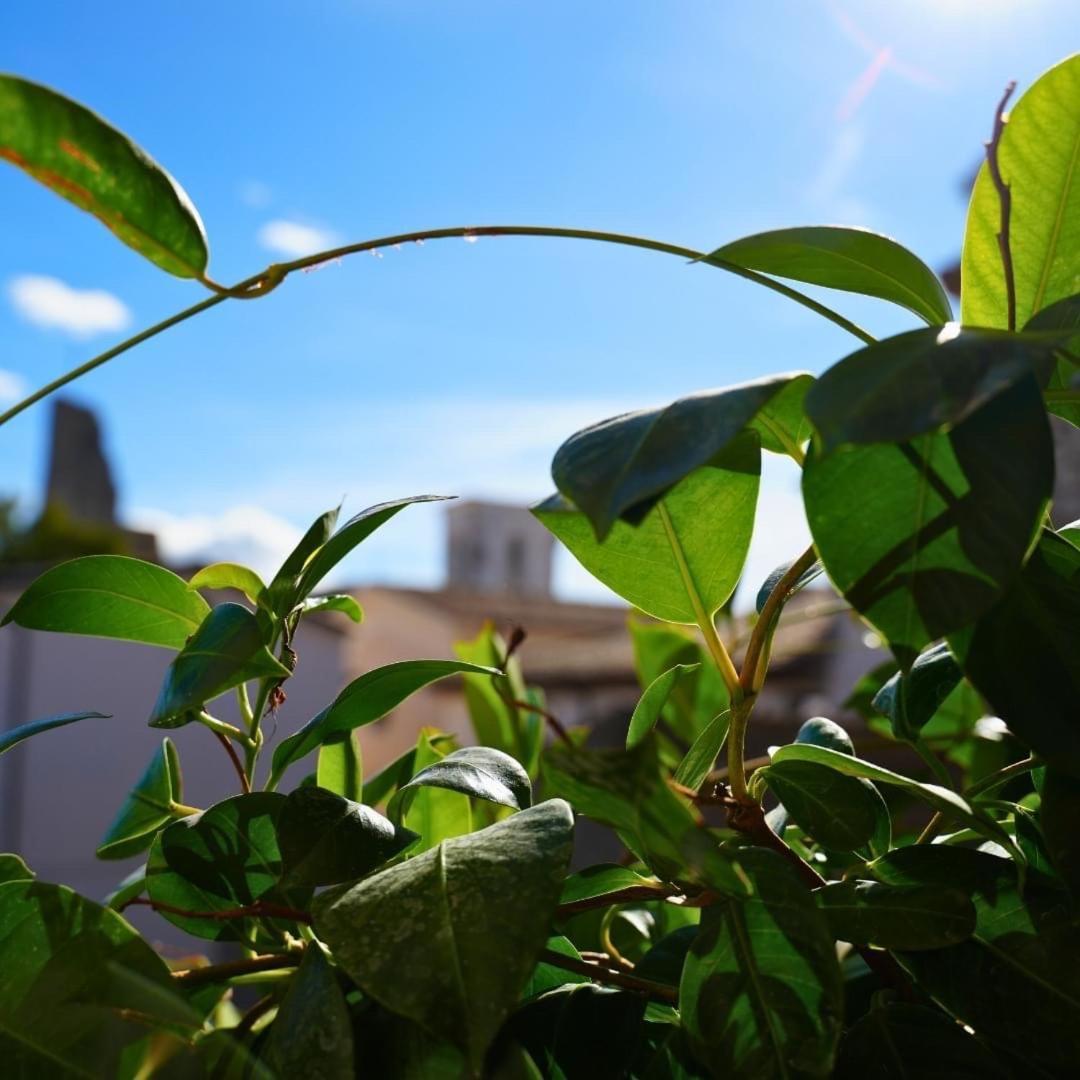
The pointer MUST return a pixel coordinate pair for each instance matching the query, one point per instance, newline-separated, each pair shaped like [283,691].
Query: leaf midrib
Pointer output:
[193,623]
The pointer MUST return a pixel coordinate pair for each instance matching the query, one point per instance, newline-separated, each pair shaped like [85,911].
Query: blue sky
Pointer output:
[458,368]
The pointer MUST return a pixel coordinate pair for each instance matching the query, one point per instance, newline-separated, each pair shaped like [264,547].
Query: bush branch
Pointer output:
[214,973]
[993,147]
[260,909]
[624,979]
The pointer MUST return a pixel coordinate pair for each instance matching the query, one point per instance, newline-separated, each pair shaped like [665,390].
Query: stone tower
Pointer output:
[79,479]
[492,547]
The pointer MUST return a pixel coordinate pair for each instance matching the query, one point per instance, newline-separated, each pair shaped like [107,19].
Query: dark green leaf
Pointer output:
[682,560]
[944,522]
[477,771]
[342,602]
[700,758]
[133,885]
[311,1037]
[14,736]
[902,1041]
[897,916]
[760,993]
[340,767]
[283,592]
[620,467]
[910,700]
[1037,155]
[854,260]
[1062,315]
[581,1031]
[365,700]
[81,157]
[605,879]
[12,868]
[112,596]
[1015,982]
[325,839]
[224,858]
[436,813]
[450,937]
[664,961]
[227,575]
[1023,656]
[78,987]
[648,709]
[1059,820]
[226,650]
[547,977]
[150,806]
[384,784]
[774,579]
[821,731]
[838,811]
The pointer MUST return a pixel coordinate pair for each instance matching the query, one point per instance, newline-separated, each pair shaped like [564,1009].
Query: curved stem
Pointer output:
[624,979]
[214,973]
[267,280]
[987,783]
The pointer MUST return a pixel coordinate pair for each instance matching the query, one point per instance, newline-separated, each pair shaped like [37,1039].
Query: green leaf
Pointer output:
[14,736]
[1059,815]
[944,522]
[312,1033]
[227,575]
[365,700]
[910,700]
[547,977]
[112,596]
[760,993]
[224,858]
[347,605]
[604,880]
[853,260]
[947,802]
[325,839]
[435,813]
[700,758]
[1038,156]
[78,155]
[226,650]
[340,767]
[838,811]
[131,886]
[821,731]
[896,916]
[449,938]
[149,807]
[774,579]
[1015,982]
[1062,315]
[682,561]
[12,868]
[1023,656]
[477,771]
[620,467]
[901,1041]
[398,772]
[79,985]
[282,594]
[648,709]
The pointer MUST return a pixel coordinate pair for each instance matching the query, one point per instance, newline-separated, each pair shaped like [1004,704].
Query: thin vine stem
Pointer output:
[266,281]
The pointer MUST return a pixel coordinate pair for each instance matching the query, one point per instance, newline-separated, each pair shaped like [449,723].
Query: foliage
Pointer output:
[910,920]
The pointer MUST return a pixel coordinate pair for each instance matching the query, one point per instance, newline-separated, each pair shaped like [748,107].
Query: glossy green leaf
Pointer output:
[226,650]
[1015,982]
[605,880]
[112,596]
[682,561]
[1059,821]
[897,916]
[347,605]
[1063,315]
[80,156]
[760,993]
[620,467]
[1023,656]
[547,977]
[647,711]
[911,699]
[312,1033]
[340,767]
[150,806]
[942,799]
[435,813]
[127,889]
[227,575]
[450,937]
[944,522]
[14,736]
[773,580]
[398,772]
[365,700]
[840,812]
[325,839]
[78,985]
[479,772]
[1037,155]
[903,1041]
[13,868]
[821,731]
[224,858]
[853,260]
[283,592]
[700,758]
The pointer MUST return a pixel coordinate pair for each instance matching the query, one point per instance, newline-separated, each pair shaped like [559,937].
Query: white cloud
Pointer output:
[53,304]
[12,386]
[243,534]
[294,239]
[256,194]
